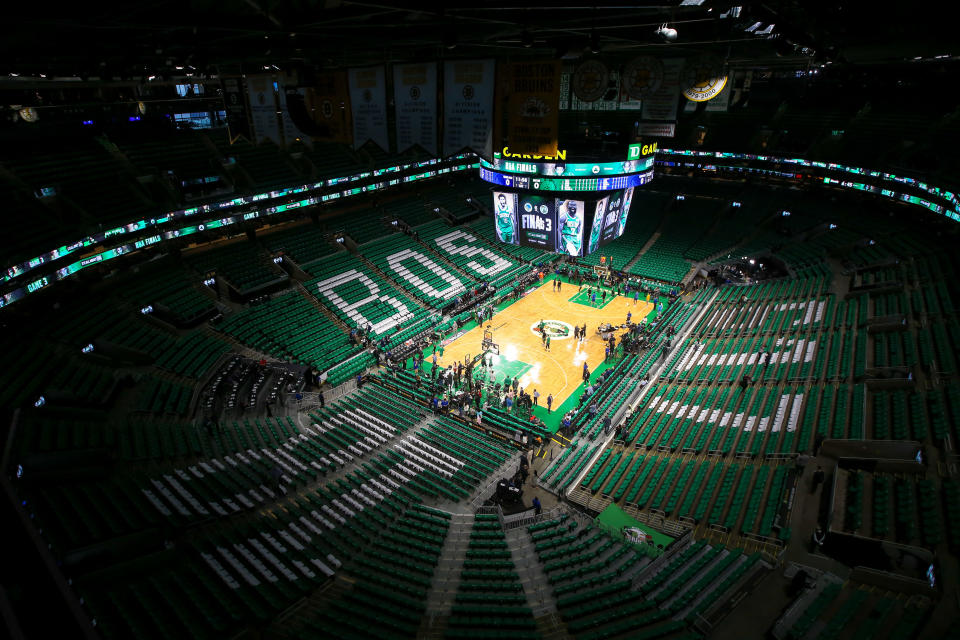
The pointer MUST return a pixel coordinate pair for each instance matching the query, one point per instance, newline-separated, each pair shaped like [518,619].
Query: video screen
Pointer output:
[505,217]
[570,222]
[538,224]
[569,226]
[596,226]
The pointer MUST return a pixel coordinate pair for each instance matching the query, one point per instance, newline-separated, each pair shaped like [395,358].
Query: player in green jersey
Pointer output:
[571,231]
[505,222]
[596,228]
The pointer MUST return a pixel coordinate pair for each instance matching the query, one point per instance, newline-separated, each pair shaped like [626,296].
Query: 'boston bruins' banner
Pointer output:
[590,81]
[415,103]
[641,77]
[368,97]
[703,79]
[533,119]
[329,105]
[468,106]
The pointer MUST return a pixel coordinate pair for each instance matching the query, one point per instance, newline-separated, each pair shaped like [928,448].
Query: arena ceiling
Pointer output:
[110,38]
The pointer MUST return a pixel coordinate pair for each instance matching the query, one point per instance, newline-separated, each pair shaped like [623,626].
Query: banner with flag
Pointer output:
[368,99]
[468,87]
[261,91]
[415,100]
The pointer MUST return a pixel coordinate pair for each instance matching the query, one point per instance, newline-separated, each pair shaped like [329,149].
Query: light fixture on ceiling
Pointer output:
[667,34]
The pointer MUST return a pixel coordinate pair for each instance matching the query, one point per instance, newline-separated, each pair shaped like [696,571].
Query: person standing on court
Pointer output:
[536,398]
[549,403]
[593,299]
[547,345]
[559,284]
[629,315]
[635,297]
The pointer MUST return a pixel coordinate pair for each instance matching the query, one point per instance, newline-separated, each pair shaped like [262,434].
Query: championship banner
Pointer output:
[703,79]
[662,103]
[533,118]
[415,97]
[291,133]
[740,92]
[235,104]
[468,106]
[329,104]
[263,109]
[368,98]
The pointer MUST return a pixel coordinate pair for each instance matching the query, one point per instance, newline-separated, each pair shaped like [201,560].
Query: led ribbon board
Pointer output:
[537,183]
[567,169]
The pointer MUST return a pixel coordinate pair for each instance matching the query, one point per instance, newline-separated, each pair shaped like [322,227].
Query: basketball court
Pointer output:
[558,371]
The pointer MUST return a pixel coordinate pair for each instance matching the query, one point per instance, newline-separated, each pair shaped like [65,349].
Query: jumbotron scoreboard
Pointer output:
[564,207]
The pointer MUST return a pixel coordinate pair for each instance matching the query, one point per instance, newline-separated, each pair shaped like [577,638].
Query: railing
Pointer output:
[527,518]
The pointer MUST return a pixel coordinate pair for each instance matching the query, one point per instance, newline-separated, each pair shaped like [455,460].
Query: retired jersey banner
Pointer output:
[329,106]
[263,109]
[415,97]
[533,101]
[291,133]
[642,76]
[368,98]
[703,78]
[590,81]
[468,106]
[662,103]
[235,104]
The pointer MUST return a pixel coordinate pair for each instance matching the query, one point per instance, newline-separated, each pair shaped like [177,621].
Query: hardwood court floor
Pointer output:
[558,371]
